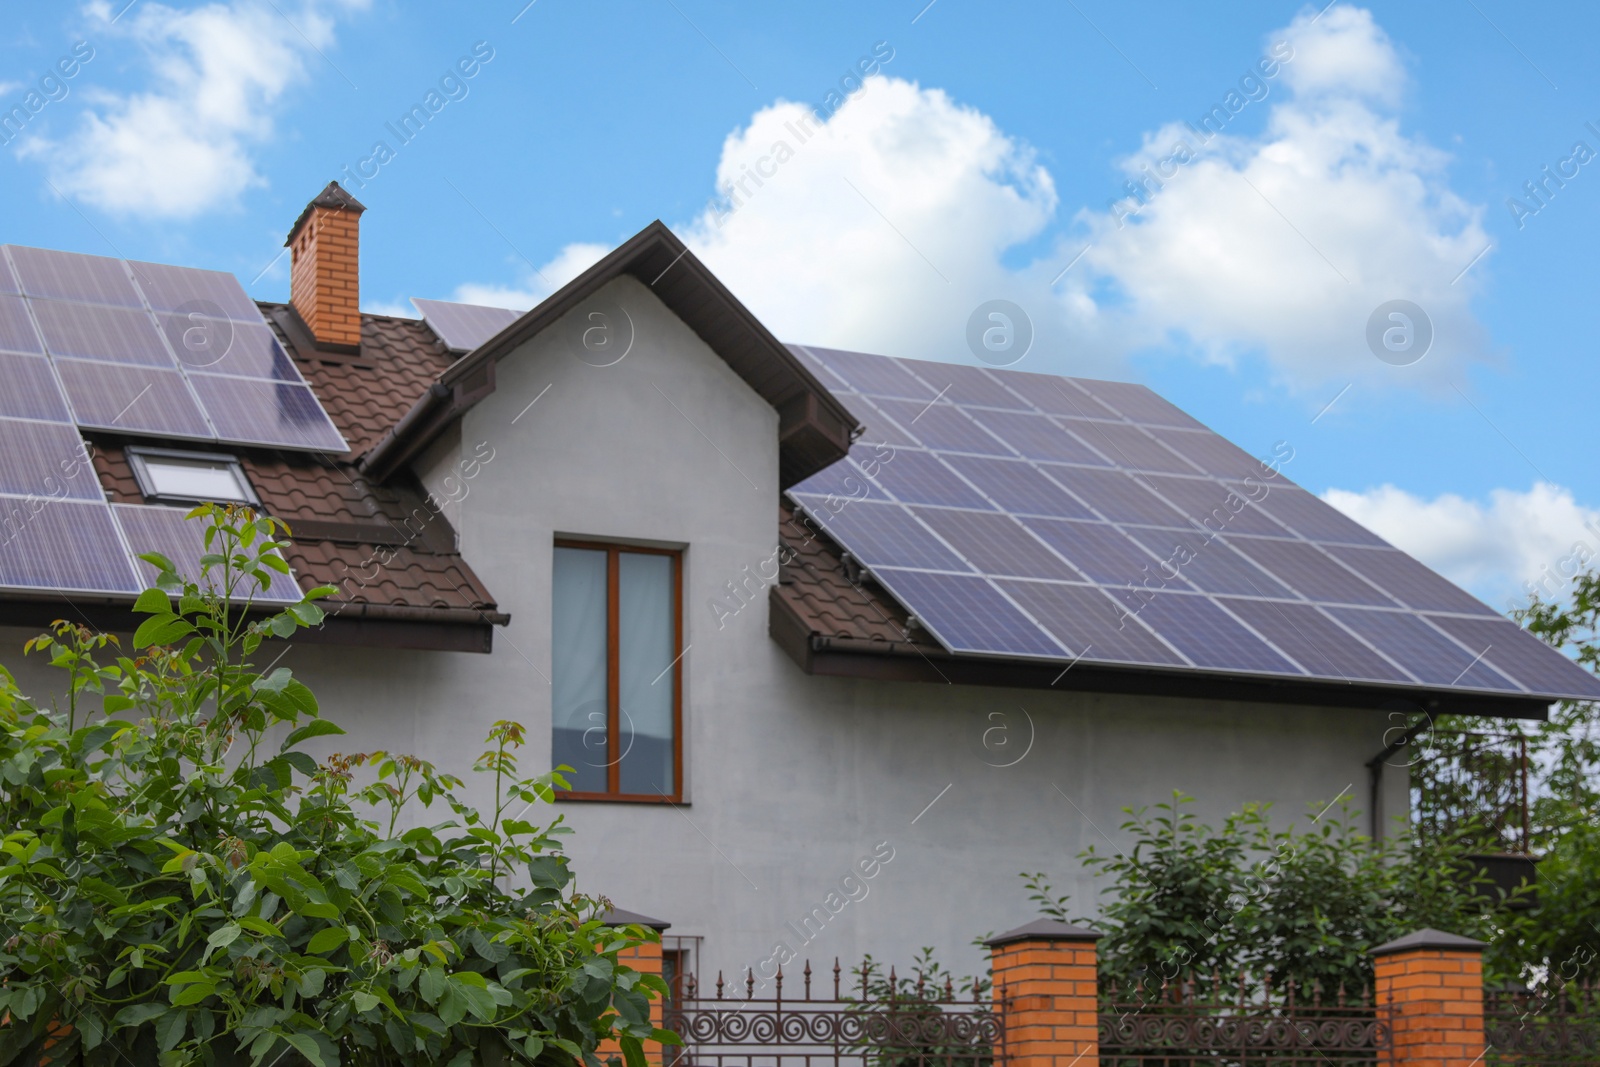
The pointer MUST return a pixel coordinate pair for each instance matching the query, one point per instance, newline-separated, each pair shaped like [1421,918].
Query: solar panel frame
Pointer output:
[155,528]
[132,399]
[74,277]
[237,408]
[36,458]
[63,546]
[17,331]
[104,334]
[463,327]
[966,613]
[31,389]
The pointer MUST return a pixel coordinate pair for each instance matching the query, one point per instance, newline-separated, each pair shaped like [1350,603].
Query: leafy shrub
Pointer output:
[180,882]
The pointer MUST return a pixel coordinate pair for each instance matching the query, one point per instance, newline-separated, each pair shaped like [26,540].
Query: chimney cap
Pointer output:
[334,197]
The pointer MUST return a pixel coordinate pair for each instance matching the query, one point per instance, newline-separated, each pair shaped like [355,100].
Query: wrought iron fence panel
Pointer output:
[1182,1024]
[1551,1026]
[869,1026]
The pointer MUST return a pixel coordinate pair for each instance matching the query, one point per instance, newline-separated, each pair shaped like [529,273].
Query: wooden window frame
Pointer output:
[614,551]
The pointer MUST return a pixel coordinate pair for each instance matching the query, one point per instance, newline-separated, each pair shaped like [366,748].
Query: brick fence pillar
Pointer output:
[1432,983]
[1047,973]
[646,959]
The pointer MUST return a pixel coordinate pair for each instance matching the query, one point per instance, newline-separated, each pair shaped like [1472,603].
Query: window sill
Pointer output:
[620,798]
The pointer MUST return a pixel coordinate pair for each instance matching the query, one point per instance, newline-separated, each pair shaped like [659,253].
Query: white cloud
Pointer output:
[570,262]
[1499,548]
[183,145]
[1285,243]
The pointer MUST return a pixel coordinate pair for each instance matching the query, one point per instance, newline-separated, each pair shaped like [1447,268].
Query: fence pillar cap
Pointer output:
[1044,930]
[622,917]
[1429,939]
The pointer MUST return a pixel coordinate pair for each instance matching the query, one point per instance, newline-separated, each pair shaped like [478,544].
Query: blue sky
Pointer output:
[981,159]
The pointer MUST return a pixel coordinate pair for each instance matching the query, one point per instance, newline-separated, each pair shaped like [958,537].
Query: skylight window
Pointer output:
[168,477]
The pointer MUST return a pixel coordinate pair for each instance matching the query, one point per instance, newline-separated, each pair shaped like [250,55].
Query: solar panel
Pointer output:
[968,614]
[996,544]
[116,335]
[62,546]
[1424,651]
[45,459]
[843,480]
[222,346]
[74,276]
[919,478]
[463,327]
[1319,644]
[211,293]
[263,412]
[879,429]
[941,426]
[165,530]
[106,396]
[1040,438]
[30,390]
[1115,495]
[1153,512]
[101,319]
[1516,652]
[1092,627]
[882,535]
[1017,487]
[1415,585]
[1208,635]
[8,277]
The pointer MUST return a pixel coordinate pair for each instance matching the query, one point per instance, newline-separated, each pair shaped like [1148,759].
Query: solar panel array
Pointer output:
[463,327]
[1029,516]
[146,348]
[140,348]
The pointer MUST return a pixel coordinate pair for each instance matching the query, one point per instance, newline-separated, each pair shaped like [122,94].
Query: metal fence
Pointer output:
[1189,1023]
[869,1022]
[1551,1026]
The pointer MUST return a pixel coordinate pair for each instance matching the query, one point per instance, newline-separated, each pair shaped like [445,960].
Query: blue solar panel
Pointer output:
[222,346]
[1424,651]
[1518,653]
[111,334]
[882,535]
[254,411]
[62,546]
[967,614]
[463,327]
[45,459]
[8,278]
[73,276]
[207,293]
[165,530]
[16,329]
[844,480]
[1090,624]
[1208,635]
[29,389]
[1176,538]
[1018,487]
[941,426]
[919,478]
[106,396]
[996,544]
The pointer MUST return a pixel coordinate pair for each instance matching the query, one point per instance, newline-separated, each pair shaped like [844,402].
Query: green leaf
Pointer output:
[193,994]
[153,601]
[314,728]
[310,1048]
[430,984]
[170,1029]
[363,1001]
[158,561]
[632,1050]
[138,1014]
[328,939]
[223,936]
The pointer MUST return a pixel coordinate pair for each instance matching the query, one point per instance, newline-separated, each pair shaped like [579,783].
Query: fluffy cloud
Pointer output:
[1285,244]
[570,262]
[183,145]
[1501,549]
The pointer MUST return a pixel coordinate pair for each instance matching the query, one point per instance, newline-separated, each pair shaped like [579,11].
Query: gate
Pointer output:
[872,1023]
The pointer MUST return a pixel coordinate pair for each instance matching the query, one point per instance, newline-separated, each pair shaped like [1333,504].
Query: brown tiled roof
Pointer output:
[383,546]
[819,595]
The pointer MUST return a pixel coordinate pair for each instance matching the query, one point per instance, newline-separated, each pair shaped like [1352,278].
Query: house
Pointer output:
[837,644]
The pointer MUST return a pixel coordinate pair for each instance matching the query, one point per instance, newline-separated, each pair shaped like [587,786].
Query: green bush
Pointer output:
[181,884]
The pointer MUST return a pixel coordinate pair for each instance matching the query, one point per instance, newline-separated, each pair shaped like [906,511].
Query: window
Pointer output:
[166,476]
[615,656]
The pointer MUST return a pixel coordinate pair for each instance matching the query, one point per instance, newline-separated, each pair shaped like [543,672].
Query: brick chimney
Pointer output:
[324,276]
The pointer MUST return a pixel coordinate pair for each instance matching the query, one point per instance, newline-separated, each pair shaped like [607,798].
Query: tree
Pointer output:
[180,881]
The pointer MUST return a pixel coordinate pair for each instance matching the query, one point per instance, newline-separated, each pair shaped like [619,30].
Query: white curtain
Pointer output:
[578,667]
[646,601]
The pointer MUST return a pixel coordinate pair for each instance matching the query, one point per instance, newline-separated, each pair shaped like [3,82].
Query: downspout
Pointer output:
[1375,773]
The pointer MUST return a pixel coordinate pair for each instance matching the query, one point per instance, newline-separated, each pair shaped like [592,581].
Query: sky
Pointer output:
[1363,230]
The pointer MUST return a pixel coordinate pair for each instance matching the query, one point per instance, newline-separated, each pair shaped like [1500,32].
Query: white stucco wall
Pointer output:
[790,779]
